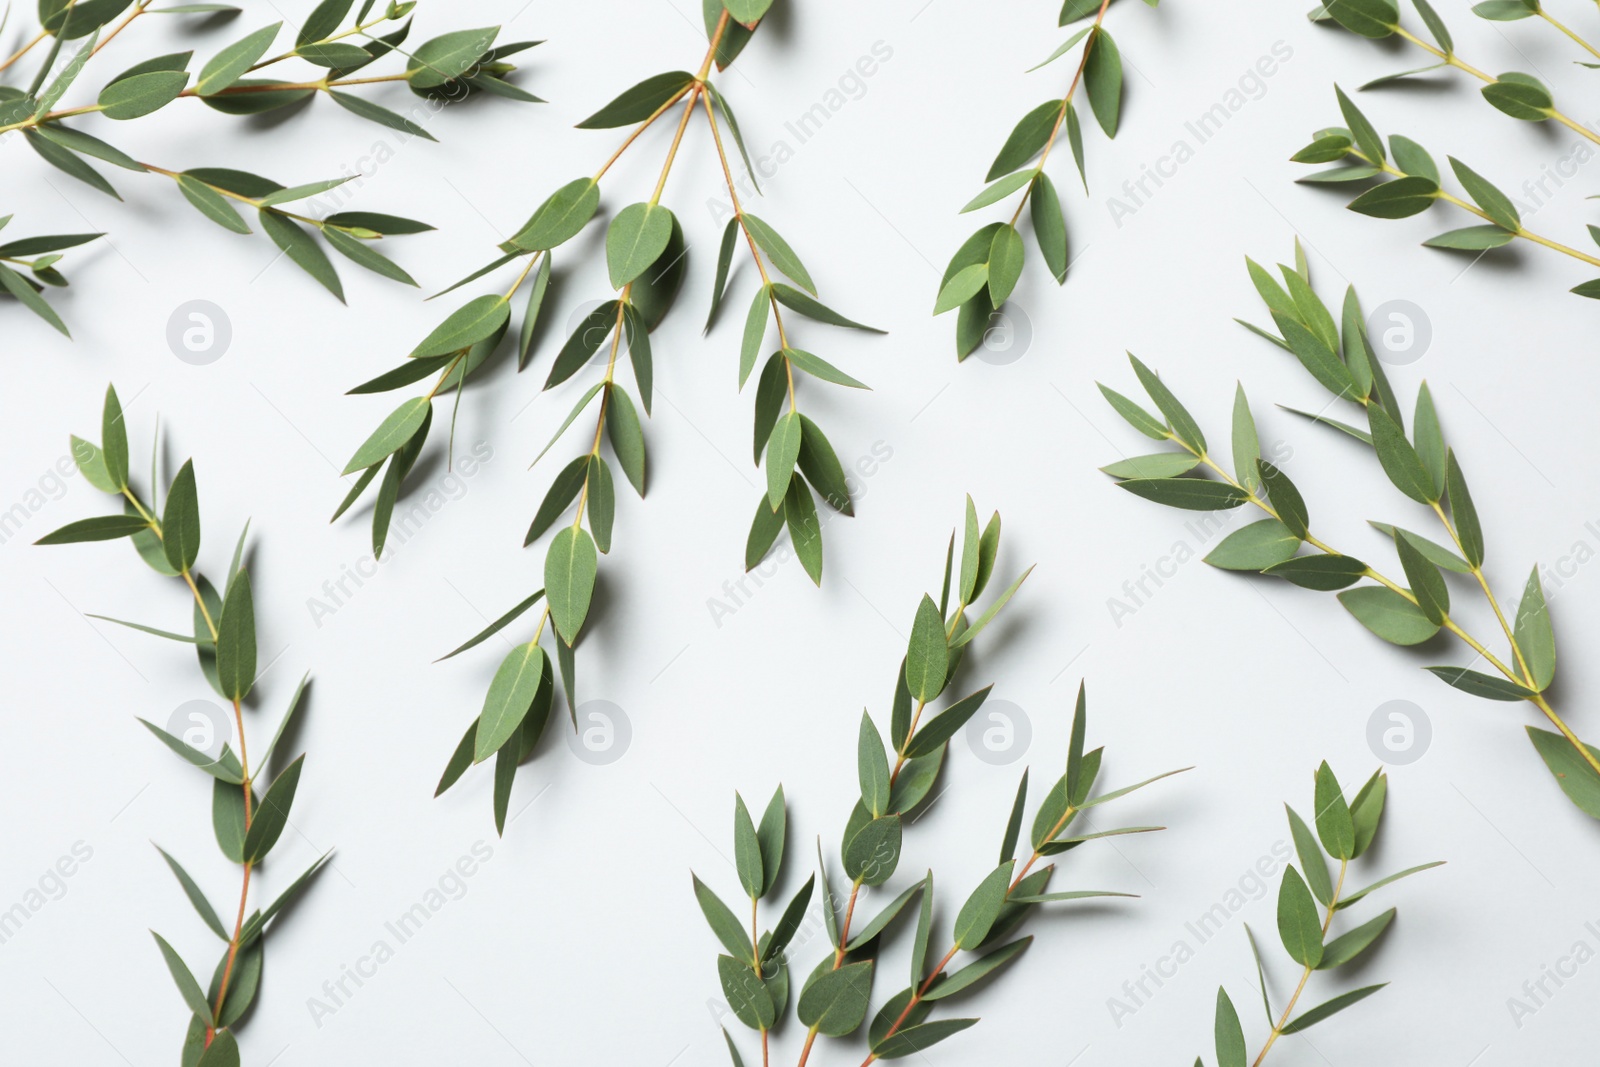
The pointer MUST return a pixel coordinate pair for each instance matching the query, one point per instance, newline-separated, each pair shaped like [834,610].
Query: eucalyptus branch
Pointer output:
[1341,358]
[1522,96]
[224,635]
[1307,904]
[442,70]
[39,256]
[1411,184]
[896,782]
[645,259]
[986,268]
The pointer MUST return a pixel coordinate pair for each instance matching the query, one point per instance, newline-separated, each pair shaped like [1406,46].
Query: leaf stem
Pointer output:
[1537,699]
[916,998]
[1487,79]
[1305,976]
[24,50]
[1066,102]
[1551,19]
[1464,205]
[119,27]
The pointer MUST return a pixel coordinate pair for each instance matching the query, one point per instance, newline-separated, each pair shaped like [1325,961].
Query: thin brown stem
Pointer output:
[1305,976]
[24,50]
[1066,102]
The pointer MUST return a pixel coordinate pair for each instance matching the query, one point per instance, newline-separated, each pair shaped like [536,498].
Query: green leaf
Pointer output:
[770,836]
[1361,130]
[1369,18]
[730,238]
[99,528]
[747,851]
[1005,264]
[193,996]
[180,522]
[301,249]
[790,297]
[640,102]
[783,452]
[927,740]
[196,896]
[778,251]
[965,978]
[881,920]
[236,640]
[872,854]
[569,576]
[1396,199]
[1494,203]
[988,616]
[1578,780]
[1286,499]
[1398,458]
[510,696]
[1102,80]
[789,924]
[836,1002]
[1229,1033]
[1535,637]
[1389,615]
[999,191]
[1427,584]
[729,930]
[114,440]
[928,655]
[820,368]
[567,211]
[912,1040]
[230,64]
[1481,685]
[1504,10]
[1471,238]
[272,814]
[1311,858]
[1468,530]
[1298,923]
[1049,226]
[1521,96]
[961,287]
[1027,139]
[1329,1007]
[225,768]
[1192,494]
[585,341]
[135,97]
[212,204]
[1323,572]
[1136,416]
[1347,947]
[982,908]
[1255,547]
[448,56]
[821,467]
[635,240]
[747,995]
[1380,883]
[805,531]
[755,330]
[363,254]
[1334,824]
[391,434]
[530,314]
[627,437]
[494,627]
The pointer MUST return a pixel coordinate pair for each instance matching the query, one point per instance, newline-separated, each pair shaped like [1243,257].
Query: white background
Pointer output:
[579,940]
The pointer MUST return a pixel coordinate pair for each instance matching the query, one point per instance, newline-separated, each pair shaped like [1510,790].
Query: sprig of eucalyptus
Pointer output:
[1307,904]
[1410,185]
[1340,357]
[443,69]
[835,998]
[1516,10]
[645,258]
[39,256]
[987,266]
[247,825]
[1522,96]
